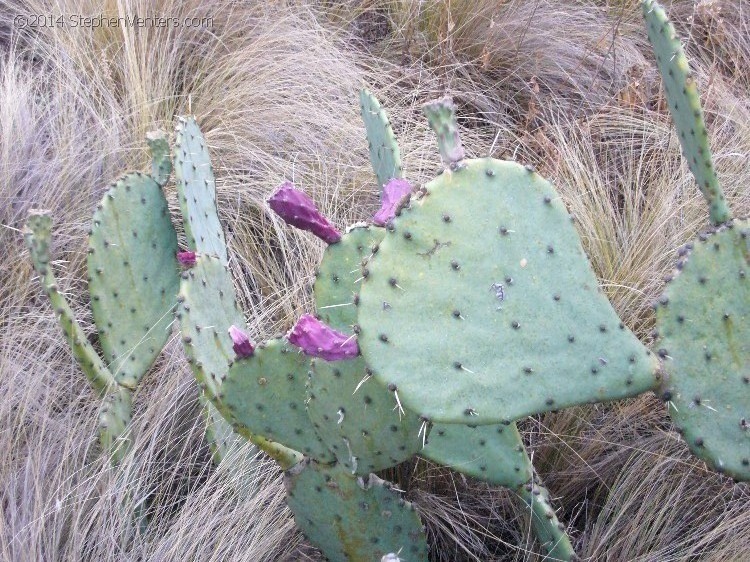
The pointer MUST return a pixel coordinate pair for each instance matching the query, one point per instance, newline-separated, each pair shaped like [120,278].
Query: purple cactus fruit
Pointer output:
[316,339]
[298,209]
[395,194]
[186,259]
[241,343]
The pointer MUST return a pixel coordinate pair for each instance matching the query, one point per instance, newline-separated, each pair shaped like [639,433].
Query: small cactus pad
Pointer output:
[336,281]
[481,306]
[441,115]
[207,308]
[493,453]
[360,423]
[385,156]
[396,194]
[196,188]
[133,275]
[161,159]
[685,106]
[37,235]
[703,320]
[549,531]
[265,395]
[114,422]
[353,518]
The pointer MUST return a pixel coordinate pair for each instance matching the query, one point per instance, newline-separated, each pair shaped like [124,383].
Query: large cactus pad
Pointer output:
[196,189]
[358,418]
[385,156]
[133,275]
[353,518]
[704,322]
[685,106]
[481,307]
[265,395]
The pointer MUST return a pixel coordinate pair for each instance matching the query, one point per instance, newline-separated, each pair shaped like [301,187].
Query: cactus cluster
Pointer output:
[461,308]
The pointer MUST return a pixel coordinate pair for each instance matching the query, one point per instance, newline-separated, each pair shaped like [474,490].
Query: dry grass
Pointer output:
[567,87]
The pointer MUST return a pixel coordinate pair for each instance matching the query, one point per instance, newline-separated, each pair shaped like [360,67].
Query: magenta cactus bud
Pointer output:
[316,339]
[186,259]
[241,343]
[298,209]
[395,194]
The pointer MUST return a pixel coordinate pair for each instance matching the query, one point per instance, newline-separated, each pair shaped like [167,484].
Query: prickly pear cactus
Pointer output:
[353,518]
[161,157]
[703,320]
[685,106]
[385,156]
[481,307]
[196,188]
[133,275]
[549,531]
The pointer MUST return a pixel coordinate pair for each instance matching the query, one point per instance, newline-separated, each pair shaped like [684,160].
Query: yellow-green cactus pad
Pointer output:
[481,306]
[703,320]
[352,518]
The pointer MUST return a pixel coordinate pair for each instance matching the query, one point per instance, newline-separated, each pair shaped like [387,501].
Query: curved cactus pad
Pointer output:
[385,156]
[336,281]
[133,275]
[481,306]
[684,106]
[353,518]
[493,453]
[549,531]
[703,319]
[360,423]
[196,188]
[265,395]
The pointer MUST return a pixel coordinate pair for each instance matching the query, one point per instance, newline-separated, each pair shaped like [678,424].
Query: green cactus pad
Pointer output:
[196,188]
[385,156]
[364,429]
[441,115]
[685,106]
[161,159]
[481,307]
[207,308]
[133,275]
[549,531]
[114,421]
[265,395]
[341,267]
[703,320]
[493,453]
[37,235]
[353,518]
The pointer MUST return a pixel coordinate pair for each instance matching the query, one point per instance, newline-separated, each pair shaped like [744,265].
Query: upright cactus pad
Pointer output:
[196,188]
[359,419]
[114,421]
[703,319]
[441,117]
[493,453]
[385,156]
[161,158]
[265,395]
[37,235]
[133,275]
[481,306]
[336,283]
[685,107]
[353,518]
[549,531]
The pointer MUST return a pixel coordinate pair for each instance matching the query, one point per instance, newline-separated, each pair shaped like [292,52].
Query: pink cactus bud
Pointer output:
[186,259]
[316,339]
[241,343]
[395,194]
[298,209]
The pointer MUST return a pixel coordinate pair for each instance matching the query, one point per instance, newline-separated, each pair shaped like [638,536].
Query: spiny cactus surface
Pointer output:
[481,306]
[161,156]
[385,156]
[549,531]
[703,320]
[133,275]
[353,518]
[685,106]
